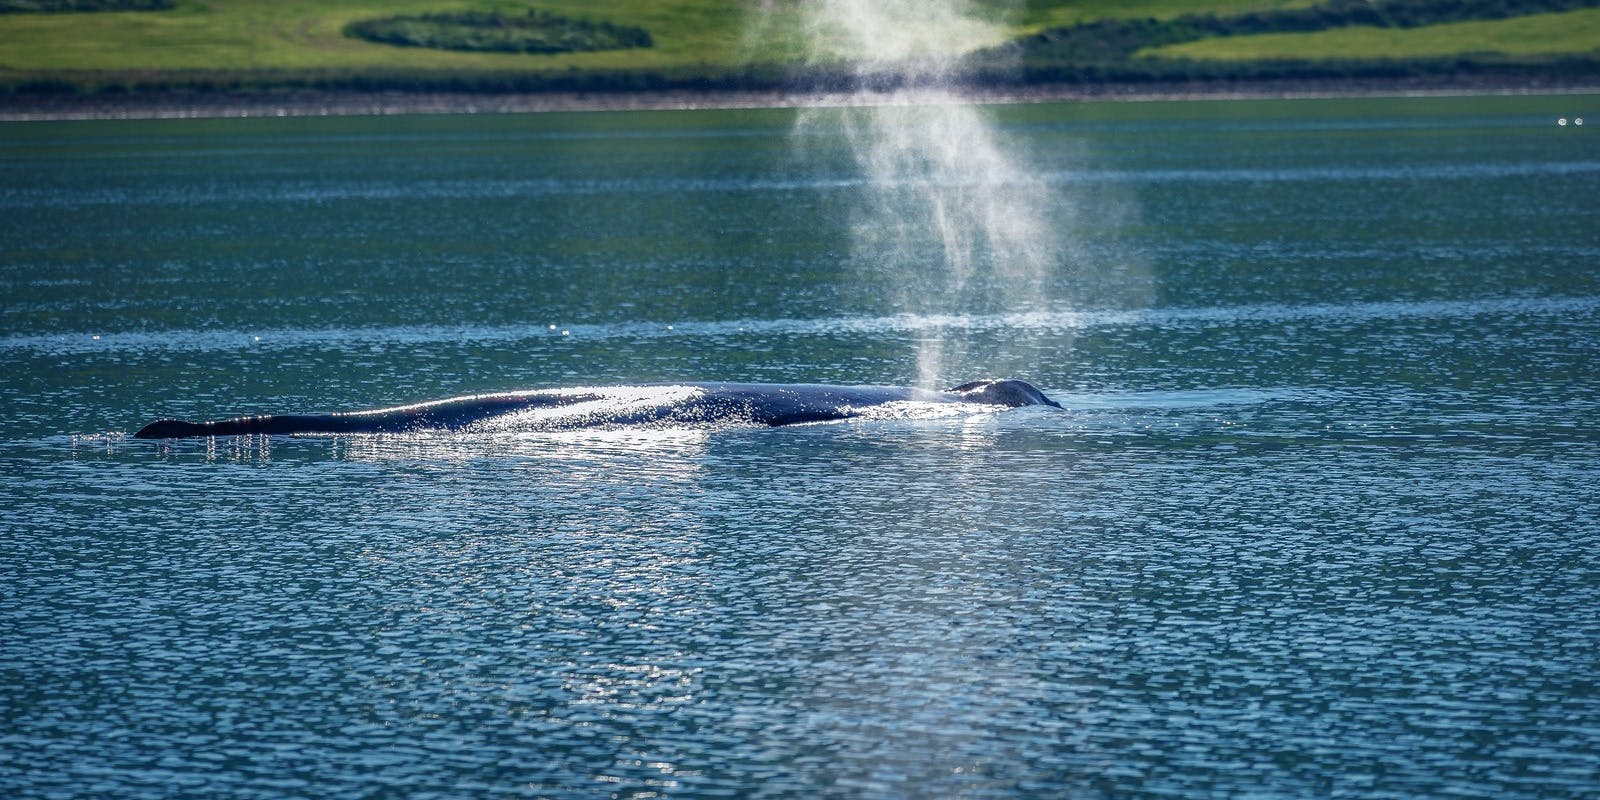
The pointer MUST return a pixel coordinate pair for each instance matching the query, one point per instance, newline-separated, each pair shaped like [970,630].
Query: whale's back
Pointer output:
[1007,392]
[689,404]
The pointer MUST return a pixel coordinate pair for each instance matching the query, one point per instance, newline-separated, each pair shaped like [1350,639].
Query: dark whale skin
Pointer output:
[667,403]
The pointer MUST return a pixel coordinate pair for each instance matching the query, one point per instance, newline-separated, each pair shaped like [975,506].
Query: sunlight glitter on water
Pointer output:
[1319,518]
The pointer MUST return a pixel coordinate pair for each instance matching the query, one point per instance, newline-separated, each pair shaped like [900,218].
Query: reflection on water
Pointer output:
[973,605]
[569,449]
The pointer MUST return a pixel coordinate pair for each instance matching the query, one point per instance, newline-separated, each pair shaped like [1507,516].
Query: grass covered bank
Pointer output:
[230,47]
[1550,35]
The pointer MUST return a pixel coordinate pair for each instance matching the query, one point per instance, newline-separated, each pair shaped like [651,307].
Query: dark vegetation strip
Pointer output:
[533,32]
[1463,70]
[80,6]
[1389,14]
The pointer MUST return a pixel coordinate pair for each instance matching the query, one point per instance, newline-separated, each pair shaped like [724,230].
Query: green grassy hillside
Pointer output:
[308,34]
[1569,33]
[1041,15]
[700,44]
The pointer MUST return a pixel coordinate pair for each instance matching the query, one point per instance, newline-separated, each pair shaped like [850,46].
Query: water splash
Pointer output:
[953,219]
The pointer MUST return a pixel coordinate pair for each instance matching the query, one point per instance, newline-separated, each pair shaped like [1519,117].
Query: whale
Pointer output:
[635,405]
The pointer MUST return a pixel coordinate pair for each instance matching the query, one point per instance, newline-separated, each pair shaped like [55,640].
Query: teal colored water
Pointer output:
[1319,517]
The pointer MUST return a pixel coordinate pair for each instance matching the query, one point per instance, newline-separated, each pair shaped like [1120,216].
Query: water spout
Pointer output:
[953,218]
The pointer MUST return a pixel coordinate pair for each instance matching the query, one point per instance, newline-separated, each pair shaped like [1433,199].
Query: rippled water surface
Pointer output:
[1319,517]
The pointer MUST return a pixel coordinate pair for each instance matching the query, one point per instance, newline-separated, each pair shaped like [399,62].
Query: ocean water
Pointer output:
[1319,517]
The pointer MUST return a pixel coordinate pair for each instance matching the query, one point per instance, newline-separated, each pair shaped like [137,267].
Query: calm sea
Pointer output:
[1321,517]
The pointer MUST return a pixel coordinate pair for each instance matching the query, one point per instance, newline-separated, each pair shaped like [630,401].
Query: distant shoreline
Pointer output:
[319,103]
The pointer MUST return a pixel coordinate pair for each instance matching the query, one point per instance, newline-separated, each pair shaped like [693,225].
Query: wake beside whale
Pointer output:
[659,405]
